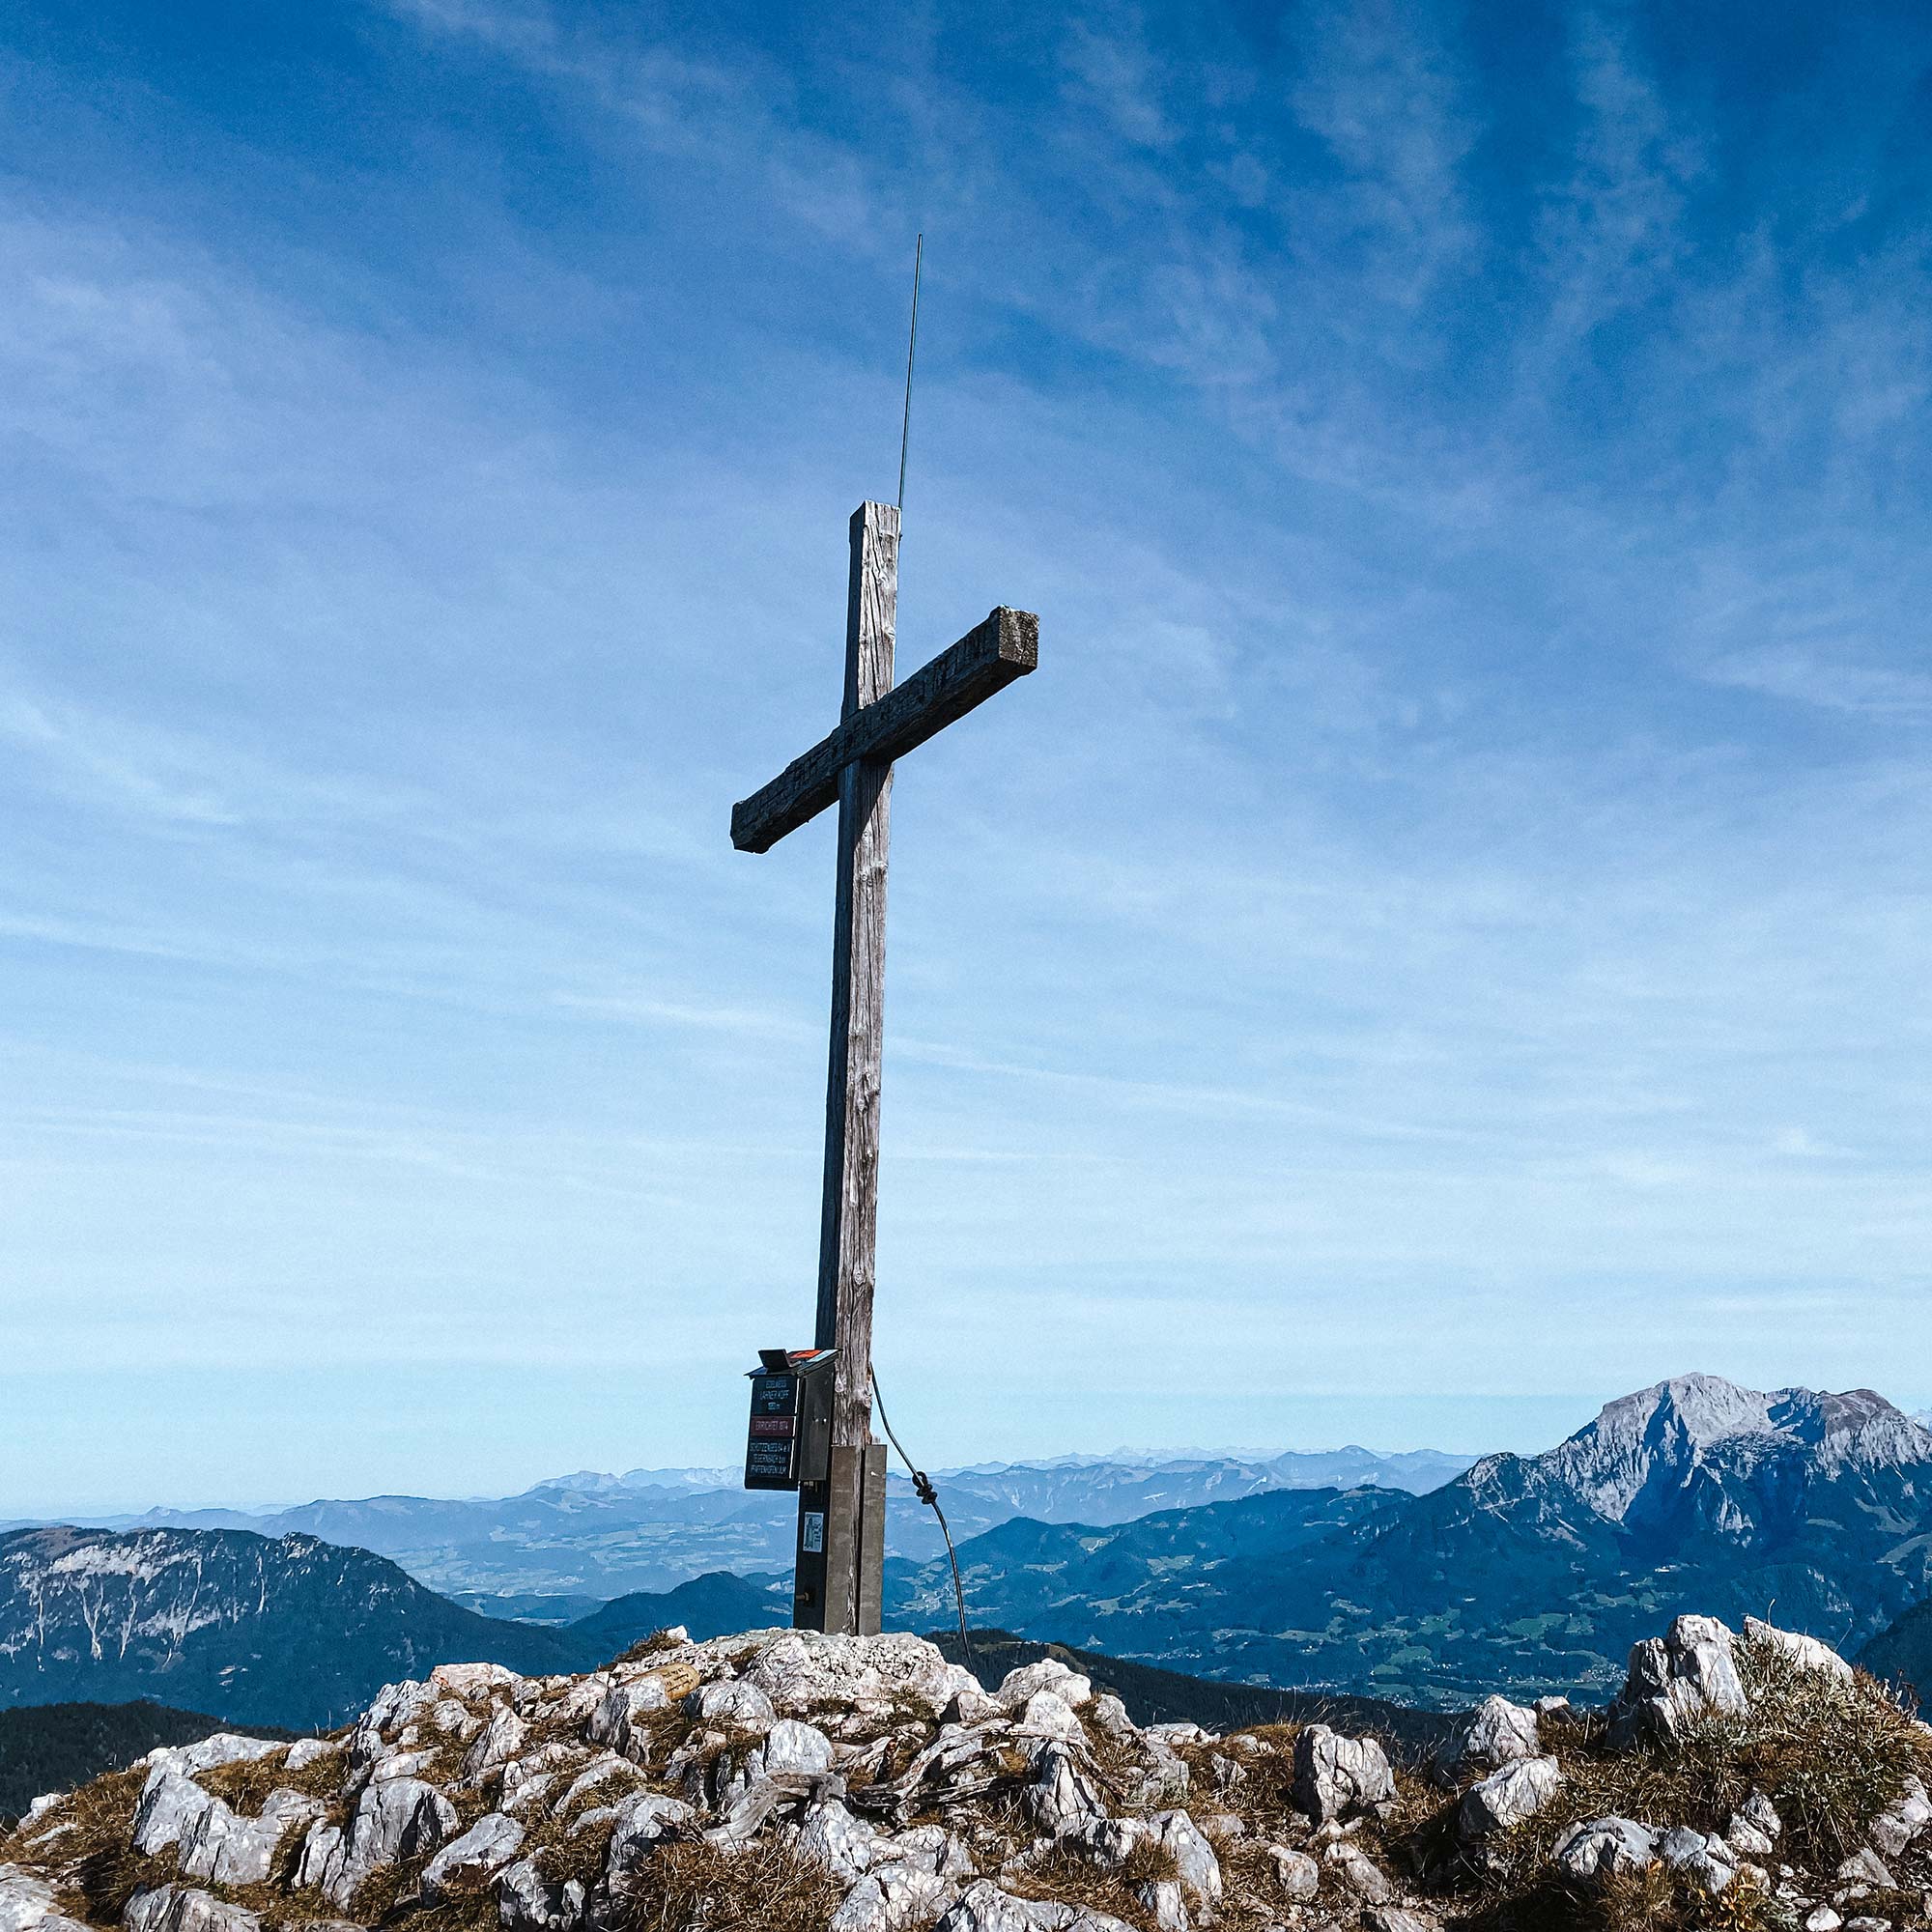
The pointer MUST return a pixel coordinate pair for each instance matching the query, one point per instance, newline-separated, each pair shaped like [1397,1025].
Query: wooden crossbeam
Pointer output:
[987,658]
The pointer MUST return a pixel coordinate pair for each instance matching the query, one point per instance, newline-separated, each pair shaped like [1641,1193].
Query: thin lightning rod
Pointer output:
[912,343]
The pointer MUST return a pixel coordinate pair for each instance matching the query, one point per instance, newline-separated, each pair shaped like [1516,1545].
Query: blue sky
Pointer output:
[1439,942]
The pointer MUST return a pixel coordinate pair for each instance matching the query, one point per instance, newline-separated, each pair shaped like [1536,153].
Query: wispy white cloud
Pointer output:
[1461,851]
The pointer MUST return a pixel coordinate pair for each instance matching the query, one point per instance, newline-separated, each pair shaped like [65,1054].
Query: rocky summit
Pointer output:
[784,1780]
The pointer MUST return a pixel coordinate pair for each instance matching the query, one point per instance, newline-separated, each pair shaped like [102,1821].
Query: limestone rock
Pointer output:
[985,1908]
[1295,1872]
[170,1806]
[488,1845]
[601,1770]
[1048,1715]
[1508,1796]
[1806,1652]
[1062,1794]
[1606,1847]
[893,1898]
[184,1908]
[791,1746]
[1337,1776]
[222,1848]
[641,1823]
[1677,1679]
[1047,1674]
[27,1904]
[1867,1867]
[1359,1872]
[395,1818]
[734,1703]
[1495,1733]
[831,1836]
[498,1741]
[1198,1868]
[1703,1857]
[473,1680]
[614,1721]
[212,1753]
[799,1669]
[1903,1824]
[526,1901]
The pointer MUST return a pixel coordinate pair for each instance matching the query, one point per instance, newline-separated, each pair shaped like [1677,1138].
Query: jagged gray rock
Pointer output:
[1047,1674]
[1358,1872]
[1339,1777]
[732,1702]
[1605,1847]
[221,1848]
[894,1898]
[831,1836]
[1704,1856]
[27,1904]
[1295,1872]
[1677,1681]
[185,1908]
[1062,1792]
[1198,1868]
[1495,1733]
[489,1844]
[1508,1796]
[528,1902]
[1805,1652]
[1904,1823]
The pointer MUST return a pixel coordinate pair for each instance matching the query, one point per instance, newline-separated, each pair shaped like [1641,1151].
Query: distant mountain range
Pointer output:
[1522,1573]
[573,1542]
[286,1630]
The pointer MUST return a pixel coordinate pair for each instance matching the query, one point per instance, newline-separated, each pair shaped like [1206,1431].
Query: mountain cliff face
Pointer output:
[287,1631]
[1699,1455]
[1903,1654]
[1524,1570]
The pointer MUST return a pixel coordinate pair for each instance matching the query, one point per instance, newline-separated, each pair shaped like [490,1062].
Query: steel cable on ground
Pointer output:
[923,1487]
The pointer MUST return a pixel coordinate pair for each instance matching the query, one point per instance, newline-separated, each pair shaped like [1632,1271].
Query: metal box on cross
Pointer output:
[789,1439]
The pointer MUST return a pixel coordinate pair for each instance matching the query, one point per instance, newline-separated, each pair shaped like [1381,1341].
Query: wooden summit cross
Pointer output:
[841,1518]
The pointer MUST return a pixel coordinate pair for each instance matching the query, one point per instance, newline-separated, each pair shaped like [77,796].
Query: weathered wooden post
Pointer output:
[842,1516]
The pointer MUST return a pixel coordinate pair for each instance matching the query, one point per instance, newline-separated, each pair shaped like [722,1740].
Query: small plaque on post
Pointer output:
[782,1446]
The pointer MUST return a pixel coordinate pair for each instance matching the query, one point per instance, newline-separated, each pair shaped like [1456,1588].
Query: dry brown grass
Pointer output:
[244,1786]
[765,1888]
[1068,1879]
[92,1860]
[648,1647]
[1831,1755]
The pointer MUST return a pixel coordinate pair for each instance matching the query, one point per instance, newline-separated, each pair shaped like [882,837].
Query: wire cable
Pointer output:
[923,1487]
[912,343]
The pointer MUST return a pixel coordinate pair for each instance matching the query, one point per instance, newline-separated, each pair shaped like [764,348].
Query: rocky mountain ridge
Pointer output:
[784,1781]
[1524,1572]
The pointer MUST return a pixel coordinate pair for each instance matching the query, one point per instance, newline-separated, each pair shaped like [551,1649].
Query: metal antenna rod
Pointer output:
[912,343]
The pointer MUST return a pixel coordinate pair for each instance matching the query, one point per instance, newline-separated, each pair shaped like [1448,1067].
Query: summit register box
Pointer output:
[790,1439]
